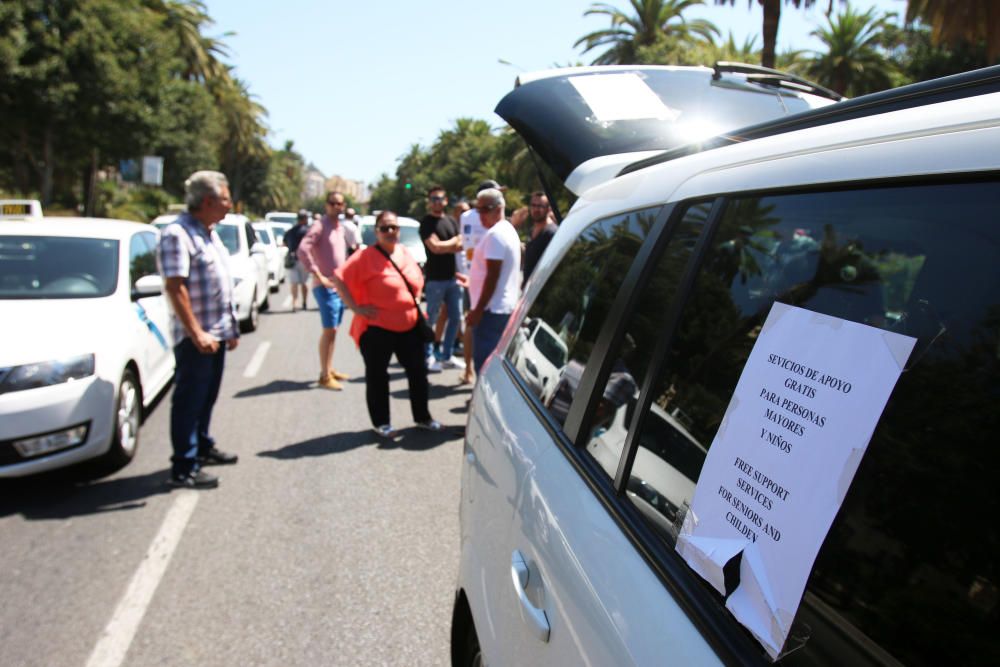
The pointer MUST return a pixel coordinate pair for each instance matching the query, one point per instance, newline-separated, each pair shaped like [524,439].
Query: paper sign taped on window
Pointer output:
[797,426]
[623,96]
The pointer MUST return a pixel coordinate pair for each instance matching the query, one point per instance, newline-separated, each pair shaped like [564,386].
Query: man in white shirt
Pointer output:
[494,276]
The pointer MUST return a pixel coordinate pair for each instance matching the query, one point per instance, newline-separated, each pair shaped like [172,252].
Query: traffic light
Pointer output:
[408,186]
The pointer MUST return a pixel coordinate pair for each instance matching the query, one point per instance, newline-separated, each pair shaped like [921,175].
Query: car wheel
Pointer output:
[465,650]
[128,414]
[266,304]
[250,323]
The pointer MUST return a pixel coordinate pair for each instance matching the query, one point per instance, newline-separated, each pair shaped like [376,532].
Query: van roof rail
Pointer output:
[772,77]
[945,89]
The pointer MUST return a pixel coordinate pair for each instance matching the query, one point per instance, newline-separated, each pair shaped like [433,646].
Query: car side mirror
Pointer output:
[151,285]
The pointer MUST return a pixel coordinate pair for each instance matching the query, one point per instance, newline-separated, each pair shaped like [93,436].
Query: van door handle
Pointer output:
[532,615]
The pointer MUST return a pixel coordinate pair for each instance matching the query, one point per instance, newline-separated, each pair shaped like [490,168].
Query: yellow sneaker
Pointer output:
[337,375]
[330,382]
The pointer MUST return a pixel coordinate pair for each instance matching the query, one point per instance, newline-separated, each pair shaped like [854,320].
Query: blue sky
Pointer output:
[355,84]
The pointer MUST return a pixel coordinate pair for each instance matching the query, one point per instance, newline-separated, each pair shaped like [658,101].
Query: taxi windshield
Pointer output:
[55,267]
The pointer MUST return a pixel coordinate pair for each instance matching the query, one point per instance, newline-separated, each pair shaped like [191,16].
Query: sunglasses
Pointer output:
[335,203]
[438,198]
[388,229]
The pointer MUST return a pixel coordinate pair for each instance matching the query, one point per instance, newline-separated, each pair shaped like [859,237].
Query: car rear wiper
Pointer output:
[772,77]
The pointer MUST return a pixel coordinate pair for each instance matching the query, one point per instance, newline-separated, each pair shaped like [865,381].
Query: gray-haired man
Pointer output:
[494,276]
[195,268]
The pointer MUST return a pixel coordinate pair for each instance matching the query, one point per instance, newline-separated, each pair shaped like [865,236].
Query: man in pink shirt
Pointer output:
[322,251]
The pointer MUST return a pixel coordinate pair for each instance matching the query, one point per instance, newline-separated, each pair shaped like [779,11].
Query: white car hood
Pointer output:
[43,329]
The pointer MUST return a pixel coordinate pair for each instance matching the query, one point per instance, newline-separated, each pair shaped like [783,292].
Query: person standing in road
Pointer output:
[382,285]
[494,276]
[197,281]
[543,228]
[352,231]
[440,235]
[297,275]
[322,251]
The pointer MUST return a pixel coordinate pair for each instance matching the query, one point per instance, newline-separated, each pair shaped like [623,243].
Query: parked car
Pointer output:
[876,215]
[409,235]
[279,229]
[284,217]
[273,253]
[85,345]
[248,263]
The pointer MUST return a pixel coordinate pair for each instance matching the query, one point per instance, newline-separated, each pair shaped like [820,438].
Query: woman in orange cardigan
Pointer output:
[386,321]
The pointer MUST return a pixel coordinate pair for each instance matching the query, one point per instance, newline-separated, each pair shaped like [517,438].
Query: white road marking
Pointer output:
[258,359]
[287,303]
[118,634]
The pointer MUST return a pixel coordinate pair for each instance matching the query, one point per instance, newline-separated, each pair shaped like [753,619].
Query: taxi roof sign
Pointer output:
[20,209]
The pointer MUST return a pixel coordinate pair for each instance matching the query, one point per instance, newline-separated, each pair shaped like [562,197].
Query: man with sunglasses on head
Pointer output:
[323,250]
[494,276]
[440,235]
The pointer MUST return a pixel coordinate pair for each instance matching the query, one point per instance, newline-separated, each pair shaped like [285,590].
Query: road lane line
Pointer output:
[258,359]
[118,634]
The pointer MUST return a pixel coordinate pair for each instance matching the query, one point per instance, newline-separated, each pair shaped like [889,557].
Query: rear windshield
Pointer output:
[571,119]
[53,267]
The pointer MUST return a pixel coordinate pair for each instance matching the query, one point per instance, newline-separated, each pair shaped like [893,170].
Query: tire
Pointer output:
[465,650]
[128,415]
[266,305]
[253,319]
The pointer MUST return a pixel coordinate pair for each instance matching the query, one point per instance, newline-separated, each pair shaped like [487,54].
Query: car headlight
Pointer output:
[46,373]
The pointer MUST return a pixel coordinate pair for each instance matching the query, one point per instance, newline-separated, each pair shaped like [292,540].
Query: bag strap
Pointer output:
[409,287]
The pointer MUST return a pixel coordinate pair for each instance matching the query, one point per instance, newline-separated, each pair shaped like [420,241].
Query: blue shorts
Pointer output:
[331,308]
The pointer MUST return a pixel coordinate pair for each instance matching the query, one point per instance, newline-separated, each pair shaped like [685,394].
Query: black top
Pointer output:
[294,236]
[439,267]
[536,246]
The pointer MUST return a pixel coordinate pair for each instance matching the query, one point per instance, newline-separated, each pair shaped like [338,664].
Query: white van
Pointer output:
[581,512]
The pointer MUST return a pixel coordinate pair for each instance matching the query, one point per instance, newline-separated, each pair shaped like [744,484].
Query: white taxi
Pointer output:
[85,345]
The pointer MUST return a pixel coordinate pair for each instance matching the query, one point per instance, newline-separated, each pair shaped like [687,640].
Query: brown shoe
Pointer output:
[329,382]
[337,375]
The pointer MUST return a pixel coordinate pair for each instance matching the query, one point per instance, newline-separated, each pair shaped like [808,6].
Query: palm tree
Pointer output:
[854,62]
[955,21]
[201,55]
[772,15]
[653,21]
[729,50]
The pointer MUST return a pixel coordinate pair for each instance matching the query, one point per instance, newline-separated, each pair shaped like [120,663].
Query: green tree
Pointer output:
[80,84]
[184,22]
[652,21]
[920,60]
[856,60]
[955,23]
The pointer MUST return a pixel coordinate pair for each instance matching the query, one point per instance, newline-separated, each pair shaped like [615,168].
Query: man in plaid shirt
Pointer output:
[195,268]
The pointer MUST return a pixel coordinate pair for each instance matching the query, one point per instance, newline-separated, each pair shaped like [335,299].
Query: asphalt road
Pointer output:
[324,545]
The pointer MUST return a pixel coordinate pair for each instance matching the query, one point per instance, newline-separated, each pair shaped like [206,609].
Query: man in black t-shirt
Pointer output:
[296,273]
[440,235]
[543,228]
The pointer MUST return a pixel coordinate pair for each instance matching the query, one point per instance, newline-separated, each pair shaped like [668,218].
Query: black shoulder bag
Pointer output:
[423,328]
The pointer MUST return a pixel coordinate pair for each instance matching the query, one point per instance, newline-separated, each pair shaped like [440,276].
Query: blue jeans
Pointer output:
[450,293]
[486,335]
[196,386]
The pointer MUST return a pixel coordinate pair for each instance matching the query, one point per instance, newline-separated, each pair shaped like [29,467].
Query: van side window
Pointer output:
[916,533]
[556,338]
[610,422]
